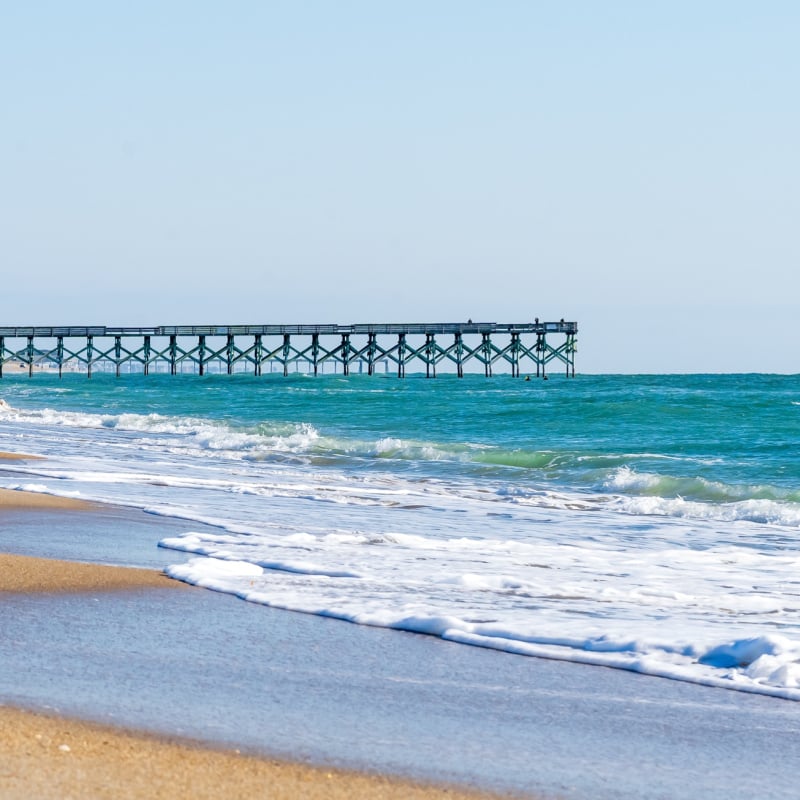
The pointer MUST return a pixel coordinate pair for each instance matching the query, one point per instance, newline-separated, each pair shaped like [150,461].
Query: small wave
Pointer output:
[190,433]
[768,660]
[522,458]
[759,511]
[768,665]
[235,567]
[697,488]
[259,442]
[411,450]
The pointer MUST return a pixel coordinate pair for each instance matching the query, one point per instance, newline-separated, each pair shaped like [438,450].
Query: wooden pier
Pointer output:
[487,347]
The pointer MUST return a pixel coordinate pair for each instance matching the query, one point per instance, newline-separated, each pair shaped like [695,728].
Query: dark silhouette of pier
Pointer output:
[529,347]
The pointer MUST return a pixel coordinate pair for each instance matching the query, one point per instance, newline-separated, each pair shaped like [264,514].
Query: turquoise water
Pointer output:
[643,522]
[712,437]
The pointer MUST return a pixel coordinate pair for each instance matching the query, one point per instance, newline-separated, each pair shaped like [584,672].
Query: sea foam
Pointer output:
[491,513]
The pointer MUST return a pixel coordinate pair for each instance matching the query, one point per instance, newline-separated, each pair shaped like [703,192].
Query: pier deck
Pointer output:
[432,347]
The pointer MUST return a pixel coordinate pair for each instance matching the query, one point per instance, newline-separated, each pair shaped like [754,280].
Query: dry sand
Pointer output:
[49,757]
[26,574]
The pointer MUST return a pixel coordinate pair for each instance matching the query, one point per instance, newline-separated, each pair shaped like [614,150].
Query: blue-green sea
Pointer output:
[640,522]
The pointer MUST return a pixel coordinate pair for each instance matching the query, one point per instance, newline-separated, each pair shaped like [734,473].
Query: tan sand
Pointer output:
[17,457]
[19,501]
[49,757]
[27,574]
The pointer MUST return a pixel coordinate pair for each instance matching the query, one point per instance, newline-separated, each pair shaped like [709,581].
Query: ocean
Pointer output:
[645,523]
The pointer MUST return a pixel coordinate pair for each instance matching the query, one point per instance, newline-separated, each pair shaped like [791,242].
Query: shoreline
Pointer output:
[211,672]
[7,456]
[21,500]
[48,754]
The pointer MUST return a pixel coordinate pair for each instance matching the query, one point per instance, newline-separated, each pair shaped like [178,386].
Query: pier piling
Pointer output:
[432,348]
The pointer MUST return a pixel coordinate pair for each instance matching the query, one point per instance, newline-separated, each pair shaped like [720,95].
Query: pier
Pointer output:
[486,347]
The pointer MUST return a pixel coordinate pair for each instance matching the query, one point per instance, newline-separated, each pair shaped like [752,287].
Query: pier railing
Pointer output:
[430,347]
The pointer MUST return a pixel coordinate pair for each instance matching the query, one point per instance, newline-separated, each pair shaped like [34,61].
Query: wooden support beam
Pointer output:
[30,356]
[459,347]
[371,347]
[401,355]
[146,355]
[287,349]
[539,350]
[173,355]
[315,351]
[257,354]
[515,355]
[89,354]
[117,353]
[430,355]
[201,354]
[346,353]
[541,346]
[572,347]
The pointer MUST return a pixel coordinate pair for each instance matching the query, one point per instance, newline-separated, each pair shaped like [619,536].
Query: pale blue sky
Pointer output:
[630,165]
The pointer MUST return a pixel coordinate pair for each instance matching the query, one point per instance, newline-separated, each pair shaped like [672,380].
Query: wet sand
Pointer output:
[17,500]
[5,456]
[53,756]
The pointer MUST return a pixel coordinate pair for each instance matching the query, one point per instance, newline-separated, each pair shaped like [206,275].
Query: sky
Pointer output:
[631,166]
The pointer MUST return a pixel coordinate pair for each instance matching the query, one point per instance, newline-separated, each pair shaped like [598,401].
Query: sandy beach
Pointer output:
[49,756]
[26,574]
[45,755]
[30,500]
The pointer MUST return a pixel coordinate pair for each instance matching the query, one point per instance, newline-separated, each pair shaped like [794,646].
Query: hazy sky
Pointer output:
[629,165]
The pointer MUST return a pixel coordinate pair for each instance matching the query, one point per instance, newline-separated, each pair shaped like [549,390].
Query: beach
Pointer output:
[400,399]
[157,688]
[51,756]
[46,755]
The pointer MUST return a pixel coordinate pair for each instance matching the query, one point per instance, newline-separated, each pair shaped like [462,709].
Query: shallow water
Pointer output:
[207,666]
[641,522]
